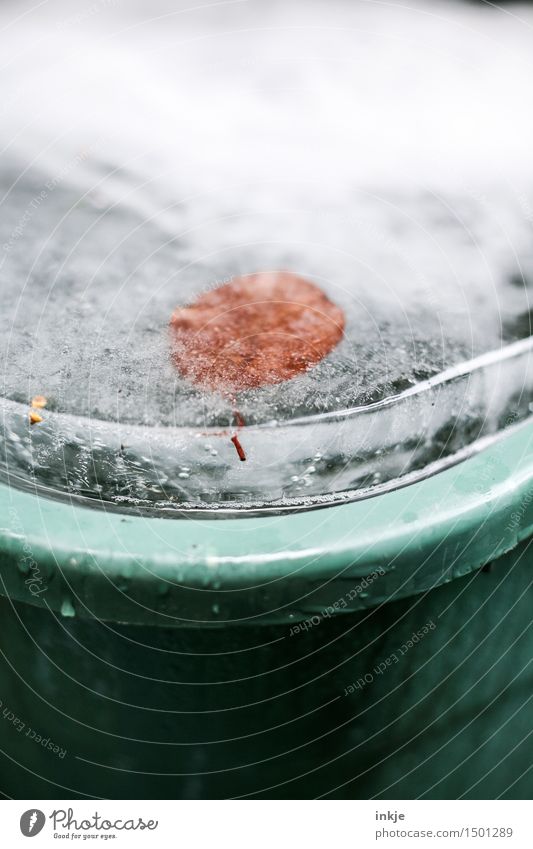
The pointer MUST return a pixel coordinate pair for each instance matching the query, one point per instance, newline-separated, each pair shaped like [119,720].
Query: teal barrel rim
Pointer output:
[79,561]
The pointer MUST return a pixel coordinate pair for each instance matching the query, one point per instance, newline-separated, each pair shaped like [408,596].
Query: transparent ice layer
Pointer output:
[425,283]
[297,463]
[149,157]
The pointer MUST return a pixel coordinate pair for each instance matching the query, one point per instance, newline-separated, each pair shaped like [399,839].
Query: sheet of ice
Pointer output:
[151,151]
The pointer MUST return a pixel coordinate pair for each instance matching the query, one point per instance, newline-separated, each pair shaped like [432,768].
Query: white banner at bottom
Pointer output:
[267,824]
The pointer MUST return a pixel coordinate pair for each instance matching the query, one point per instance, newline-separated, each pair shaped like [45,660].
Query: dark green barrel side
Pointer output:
[380,648]
[263,712]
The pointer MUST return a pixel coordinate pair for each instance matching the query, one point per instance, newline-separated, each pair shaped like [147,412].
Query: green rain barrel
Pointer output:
[378,648]
[347,612]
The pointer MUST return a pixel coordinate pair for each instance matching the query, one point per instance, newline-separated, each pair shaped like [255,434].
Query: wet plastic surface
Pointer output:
[274,712]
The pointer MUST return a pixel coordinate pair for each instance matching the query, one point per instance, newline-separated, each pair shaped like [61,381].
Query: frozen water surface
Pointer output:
[153,153]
